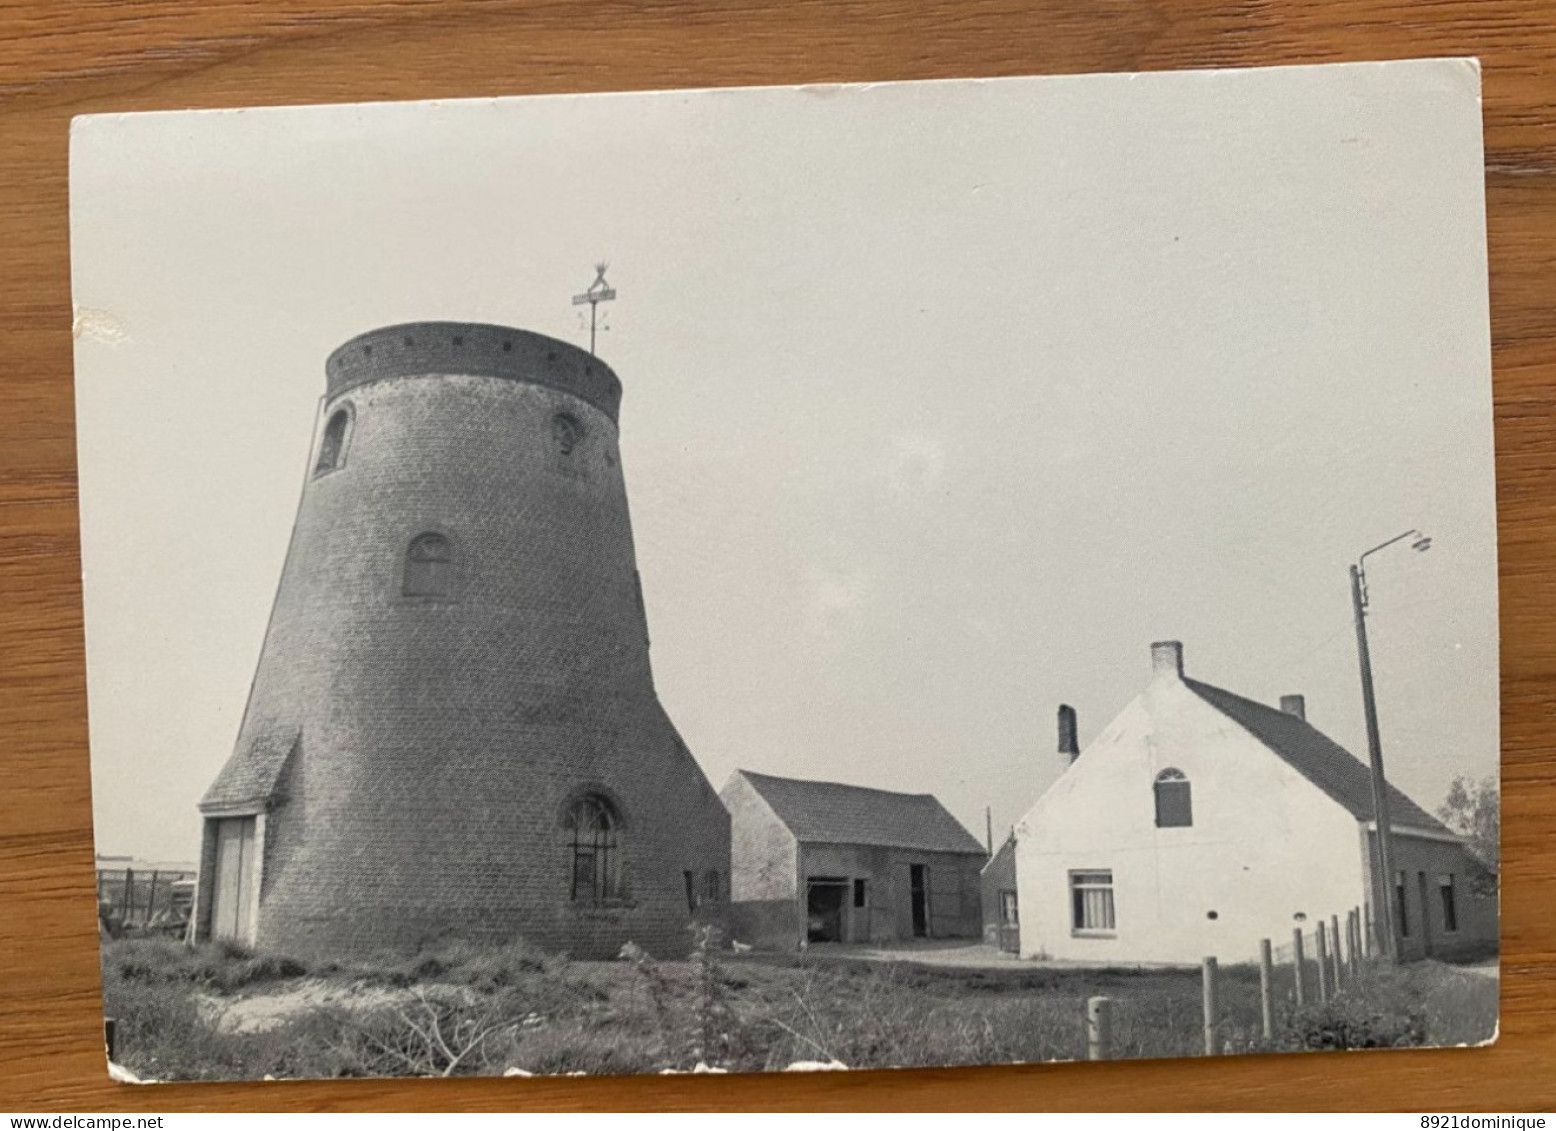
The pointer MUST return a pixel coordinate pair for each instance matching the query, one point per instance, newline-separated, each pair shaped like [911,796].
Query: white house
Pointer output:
[1198,822]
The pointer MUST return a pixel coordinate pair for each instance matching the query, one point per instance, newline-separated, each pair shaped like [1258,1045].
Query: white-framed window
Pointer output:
[1450,906]
[1401,910]
[1091,902]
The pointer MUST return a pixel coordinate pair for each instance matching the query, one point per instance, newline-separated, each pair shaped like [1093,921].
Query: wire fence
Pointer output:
[1241,1008]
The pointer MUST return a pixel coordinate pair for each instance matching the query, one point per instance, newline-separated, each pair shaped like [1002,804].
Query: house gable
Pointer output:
[1264,844]
[1167,727]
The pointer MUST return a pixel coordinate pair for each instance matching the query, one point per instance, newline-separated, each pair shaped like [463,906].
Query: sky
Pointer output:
[942,401]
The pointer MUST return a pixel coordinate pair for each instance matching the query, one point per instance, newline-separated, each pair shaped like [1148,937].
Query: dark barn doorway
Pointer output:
[918,876]
[824,900]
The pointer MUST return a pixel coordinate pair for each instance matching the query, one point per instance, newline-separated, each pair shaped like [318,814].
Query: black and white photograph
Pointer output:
[791,578]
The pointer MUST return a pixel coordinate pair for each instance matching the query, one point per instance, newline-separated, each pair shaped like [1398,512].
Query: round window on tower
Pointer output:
[567,432]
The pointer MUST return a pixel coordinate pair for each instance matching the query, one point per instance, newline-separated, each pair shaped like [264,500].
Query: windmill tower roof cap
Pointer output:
[423,349]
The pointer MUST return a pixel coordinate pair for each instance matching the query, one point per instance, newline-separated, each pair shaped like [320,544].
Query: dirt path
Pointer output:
[959,954]
[260,1011]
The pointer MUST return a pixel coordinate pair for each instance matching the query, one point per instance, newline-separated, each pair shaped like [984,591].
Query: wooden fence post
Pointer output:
[1099,1028]
[1336,959]
[1266,990]
[1321,953]
[1212,1008]
[1367,940]
[1353,941]
[1297,963]
[151,897]
[129,894]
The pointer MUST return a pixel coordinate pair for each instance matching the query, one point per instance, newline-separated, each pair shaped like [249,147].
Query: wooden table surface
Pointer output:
[61,59]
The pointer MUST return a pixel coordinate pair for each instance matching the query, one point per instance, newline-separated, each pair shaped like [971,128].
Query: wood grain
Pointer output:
[57,60]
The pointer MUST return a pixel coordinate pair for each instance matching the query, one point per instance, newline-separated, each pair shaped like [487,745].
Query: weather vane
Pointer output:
[599,291]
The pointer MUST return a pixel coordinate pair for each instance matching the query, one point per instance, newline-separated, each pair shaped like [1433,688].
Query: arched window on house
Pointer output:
[332,449]
[593,839]
[429,566]
[1174,806]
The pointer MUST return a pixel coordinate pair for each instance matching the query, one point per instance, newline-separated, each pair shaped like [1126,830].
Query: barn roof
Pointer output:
[833,813]
[251,775]
[1315,756]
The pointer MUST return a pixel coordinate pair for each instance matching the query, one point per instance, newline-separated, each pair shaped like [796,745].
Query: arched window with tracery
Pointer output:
[429,566]
[593,830]
[332,448]
[1174,803]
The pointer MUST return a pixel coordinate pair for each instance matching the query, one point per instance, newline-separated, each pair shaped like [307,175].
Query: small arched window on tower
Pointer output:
[429,566]
[593,840]
[332,448]
[1174,806]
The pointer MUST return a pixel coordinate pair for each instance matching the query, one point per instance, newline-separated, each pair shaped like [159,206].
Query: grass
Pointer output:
[461,1008]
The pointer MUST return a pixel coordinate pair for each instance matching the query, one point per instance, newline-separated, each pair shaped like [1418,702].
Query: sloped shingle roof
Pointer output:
[250,776]
[1315,756]
[831,813]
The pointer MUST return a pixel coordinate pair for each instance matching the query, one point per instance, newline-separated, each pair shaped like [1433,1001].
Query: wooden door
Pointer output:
[232,891]
[1009,923]
[918,884]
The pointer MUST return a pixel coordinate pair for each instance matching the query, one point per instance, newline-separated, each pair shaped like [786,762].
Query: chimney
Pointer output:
[1067,737]
[1294,705]
[1167,658]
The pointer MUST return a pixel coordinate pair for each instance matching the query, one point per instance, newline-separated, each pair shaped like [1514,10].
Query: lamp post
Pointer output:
[1388,921]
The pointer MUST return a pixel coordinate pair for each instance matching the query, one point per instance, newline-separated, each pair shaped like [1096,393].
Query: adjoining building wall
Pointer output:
[1264,846]
[1450,907]
[444,719]
[764,857]
[997,886]
[763,852]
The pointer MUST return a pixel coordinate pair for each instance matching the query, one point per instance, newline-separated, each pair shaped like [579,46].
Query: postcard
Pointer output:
[815,578]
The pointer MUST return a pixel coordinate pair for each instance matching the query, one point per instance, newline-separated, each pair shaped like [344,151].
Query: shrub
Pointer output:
[607,1047]
[1350,1021]
[433,1032]
[221,966]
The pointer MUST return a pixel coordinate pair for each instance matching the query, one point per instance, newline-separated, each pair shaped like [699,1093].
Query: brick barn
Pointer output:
[824,862]
[453,729]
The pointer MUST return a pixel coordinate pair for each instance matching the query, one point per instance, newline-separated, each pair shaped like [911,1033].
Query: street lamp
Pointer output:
[1388,932]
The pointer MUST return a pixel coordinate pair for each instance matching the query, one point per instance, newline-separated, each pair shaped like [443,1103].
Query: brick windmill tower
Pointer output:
[453,729]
